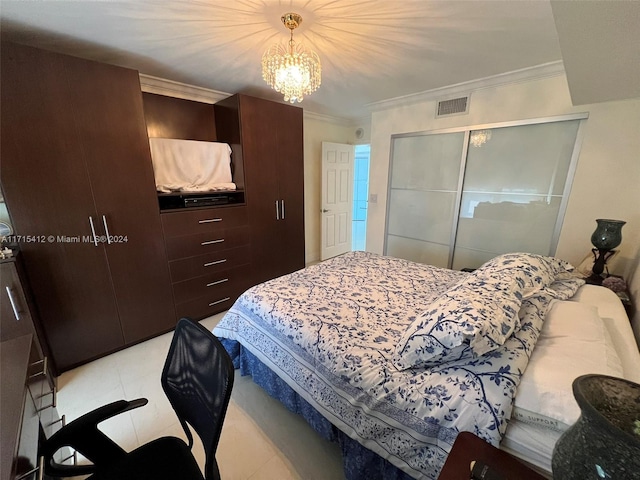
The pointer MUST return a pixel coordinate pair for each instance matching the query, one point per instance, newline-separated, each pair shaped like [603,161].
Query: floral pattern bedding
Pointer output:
[330,331]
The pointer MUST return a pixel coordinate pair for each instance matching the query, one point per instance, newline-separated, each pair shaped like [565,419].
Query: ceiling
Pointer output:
[371,50]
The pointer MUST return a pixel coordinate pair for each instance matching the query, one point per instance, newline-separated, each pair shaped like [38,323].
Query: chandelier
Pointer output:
[480,137]
[291,69]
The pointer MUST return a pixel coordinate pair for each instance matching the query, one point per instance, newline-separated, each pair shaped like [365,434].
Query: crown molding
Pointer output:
[551,69]
[170,88]
[321,117]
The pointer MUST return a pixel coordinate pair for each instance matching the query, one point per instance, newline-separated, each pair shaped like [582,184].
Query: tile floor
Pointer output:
[261,440]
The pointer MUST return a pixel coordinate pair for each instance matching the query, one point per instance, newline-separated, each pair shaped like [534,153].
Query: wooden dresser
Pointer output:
[28,387]
[216,253]
[209,258]
[27,409]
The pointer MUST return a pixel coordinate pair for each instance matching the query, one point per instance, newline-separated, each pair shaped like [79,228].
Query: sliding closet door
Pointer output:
[514,184]
[422,204]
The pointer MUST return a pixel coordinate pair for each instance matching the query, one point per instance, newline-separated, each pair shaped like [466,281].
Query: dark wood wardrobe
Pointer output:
[78,182]
[108,265]
[269,138]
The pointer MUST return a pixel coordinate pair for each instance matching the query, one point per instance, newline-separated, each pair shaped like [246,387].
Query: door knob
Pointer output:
[325,211]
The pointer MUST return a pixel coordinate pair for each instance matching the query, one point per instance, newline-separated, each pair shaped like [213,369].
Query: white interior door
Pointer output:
[337,199]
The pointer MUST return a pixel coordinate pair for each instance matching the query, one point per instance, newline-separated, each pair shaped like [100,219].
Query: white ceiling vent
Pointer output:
[453,106]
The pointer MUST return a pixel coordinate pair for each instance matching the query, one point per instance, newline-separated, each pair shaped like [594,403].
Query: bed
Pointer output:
[392,359]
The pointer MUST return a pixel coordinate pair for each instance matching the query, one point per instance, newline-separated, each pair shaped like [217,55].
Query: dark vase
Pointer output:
[602,443]
[608,234]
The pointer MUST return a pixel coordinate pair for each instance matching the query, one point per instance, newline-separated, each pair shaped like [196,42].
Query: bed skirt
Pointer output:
[359,463]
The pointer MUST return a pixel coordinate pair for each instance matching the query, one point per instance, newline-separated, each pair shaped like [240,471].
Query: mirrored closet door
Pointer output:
[423,194]
[459,198]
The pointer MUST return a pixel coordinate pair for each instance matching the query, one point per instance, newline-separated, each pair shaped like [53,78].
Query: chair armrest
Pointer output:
[82,435]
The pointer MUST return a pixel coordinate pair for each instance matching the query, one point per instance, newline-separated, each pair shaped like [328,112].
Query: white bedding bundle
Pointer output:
[588,334]
[190,165]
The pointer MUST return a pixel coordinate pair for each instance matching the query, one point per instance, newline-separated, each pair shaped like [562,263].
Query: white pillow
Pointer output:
[574,341]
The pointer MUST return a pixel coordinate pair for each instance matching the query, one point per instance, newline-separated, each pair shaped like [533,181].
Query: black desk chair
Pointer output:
[197,379]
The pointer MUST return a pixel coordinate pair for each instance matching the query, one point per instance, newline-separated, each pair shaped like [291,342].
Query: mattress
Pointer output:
[534,444]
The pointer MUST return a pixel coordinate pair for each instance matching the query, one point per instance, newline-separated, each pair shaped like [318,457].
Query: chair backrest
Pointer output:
[197,379]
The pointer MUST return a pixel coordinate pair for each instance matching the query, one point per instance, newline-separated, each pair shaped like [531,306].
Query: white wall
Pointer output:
[607,179]
[316,131]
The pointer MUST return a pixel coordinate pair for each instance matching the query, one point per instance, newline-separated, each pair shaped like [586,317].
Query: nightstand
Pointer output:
[468,448]
[624,296]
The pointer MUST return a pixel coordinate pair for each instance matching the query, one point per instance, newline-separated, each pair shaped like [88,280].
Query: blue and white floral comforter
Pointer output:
[330,332]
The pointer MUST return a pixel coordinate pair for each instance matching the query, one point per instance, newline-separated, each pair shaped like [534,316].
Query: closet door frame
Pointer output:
[581,117]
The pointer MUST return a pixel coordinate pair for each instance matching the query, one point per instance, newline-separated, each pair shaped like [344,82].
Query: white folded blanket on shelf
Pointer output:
[190,165]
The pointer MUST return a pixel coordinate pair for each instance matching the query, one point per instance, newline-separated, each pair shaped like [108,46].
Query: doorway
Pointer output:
[360,197]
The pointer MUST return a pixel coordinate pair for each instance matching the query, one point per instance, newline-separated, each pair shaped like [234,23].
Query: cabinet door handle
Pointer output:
[14,304]
[215,263]
[211,242]
[219,301]
[209,220]
[106,229]
[282,208]
[217,282]
[93,231]
[277,210]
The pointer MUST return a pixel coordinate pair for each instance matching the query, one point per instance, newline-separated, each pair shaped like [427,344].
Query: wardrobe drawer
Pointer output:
[218,301]
[209,285]
[175,224]
[200,265]
[206,242]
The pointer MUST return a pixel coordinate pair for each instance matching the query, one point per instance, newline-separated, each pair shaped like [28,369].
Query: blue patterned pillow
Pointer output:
[531,271]
[479,313]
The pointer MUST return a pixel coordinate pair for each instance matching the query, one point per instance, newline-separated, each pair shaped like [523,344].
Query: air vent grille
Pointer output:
[453,106]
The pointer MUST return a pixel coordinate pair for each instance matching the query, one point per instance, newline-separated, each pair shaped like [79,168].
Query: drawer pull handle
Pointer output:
[211,242]
[45,363]
[74,455]
[53,400]
[217,282]
[43,373]
[14,305]
[62,421]
[210,220]
[219,301]
[39,469]
[217,262]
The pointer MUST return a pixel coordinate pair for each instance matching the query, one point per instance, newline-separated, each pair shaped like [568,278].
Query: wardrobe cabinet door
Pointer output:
[114,137]
[291,188]
[260,153]
[47,190]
